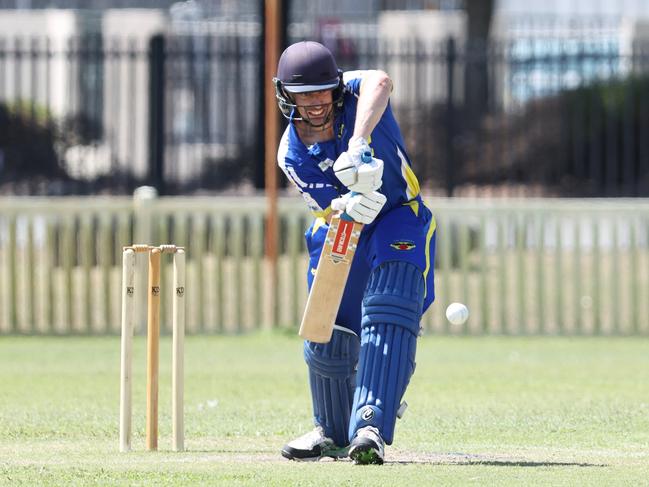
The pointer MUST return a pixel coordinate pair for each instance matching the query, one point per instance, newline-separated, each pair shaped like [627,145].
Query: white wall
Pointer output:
[630,8]
[55,25]
[398,31]
[126,83]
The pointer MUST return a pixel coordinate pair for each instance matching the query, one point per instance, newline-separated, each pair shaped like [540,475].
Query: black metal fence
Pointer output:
[96,114]
[184,112]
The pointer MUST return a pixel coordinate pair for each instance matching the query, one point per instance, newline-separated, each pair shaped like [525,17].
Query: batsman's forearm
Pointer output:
[372,101]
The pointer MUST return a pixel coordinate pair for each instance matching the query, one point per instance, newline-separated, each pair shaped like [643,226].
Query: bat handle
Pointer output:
[365,157]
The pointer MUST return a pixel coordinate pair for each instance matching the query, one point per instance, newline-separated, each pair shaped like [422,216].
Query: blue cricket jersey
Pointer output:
[310,168]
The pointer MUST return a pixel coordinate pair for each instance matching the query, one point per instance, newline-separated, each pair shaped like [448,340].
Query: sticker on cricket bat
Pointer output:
[340,246]
[330,280]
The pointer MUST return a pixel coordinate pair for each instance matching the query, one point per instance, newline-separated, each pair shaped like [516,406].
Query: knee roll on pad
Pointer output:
[392,308]
[332,376]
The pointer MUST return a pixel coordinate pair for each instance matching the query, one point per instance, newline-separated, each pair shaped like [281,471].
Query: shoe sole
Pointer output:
[292,457]
[365,454]
[335,455]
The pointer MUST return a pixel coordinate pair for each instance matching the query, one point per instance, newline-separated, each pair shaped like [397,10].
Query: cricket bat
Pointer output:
[331,277]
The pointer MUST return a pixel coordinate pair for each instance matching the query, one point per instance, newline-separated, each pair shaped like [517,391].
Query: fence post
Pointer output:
[157,112]
[450,116]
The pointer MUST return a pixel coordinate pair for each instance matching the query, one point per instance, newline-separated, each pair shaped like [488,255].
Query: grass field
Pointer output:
[483,411]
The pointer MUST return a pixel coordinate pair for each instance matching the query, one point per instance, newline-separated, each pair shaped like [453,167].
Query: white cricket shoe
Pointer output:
[367,447]
[313,446]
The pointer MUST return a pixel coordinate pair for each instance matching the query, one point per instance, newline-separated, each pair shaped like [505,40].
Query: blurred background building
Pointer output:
[494,97]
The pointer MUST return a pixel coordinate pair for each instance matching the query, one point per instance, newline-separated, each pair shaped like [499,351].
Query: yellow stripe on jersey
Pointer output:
[431,231]
[322,214]
[414,206]
[412,184]
[319,222]
[369,141]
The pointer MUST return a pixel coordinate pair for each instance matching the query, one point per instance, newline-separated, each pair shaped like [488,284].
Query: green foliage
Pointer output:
[31,141]
[28,142]
[29,109]
[605,126]
[484,411]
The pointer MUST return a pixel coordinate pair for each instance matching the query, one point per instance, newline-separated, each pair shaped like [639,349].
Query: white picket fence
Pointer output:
[529,266]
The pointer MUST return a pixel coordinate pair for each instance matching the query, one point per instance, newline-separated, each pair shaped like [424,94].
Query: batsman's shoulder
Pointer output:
[352,75]
[284,148]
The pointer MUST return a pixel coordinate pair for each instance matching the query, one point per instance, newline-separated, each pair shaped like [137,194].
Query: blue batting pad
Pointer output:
[332,375]
[392,308]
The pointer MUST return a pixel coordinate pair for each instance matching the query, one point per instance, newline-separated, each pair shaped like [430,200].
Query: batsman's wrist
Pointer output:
[362,137]
[359,141]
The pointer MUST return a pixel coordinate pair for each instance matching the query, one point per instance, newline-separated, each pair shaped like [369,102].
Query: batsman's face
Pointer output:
[315,105]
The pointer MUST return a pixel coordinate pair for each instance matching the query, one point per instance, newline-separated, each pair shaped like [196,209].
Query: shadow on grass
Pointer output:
[501,463]
[400,458]
[461,459]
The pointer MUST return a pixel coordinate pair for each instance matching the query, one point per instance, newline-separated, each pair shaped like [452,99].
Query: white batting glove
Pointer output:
[356,147]
[360,178]
[363,208]
[369,177]
[345,169]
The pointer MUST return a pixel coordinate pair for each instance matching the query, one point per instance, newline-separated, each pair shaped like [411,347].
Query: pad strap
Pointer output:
[392,309]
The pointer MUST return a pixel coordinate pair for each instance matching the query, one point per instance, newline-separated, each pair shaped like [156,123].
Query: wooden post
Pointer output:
[272,45]
[128,321]
[153,348]
[177,379]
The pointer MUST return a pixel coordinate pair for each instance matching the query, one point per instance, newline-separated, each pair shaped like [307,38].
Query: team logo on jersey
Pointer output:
[403,245]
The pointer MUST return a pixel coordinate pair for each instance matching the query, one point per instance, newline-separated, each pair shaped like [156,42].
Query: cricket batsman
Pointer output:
[358,379]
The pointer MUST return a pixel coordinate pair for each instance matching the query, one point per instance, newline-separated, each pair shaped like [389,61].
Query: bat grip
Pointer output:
[365,157]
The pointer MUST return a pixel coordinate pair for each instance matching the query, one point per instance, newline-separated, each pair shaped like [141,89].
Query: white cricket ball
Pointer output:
[457,313]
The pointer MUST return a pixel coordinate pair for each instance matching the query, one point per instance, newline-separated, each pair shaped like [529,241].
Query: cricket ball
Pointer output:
[457,313]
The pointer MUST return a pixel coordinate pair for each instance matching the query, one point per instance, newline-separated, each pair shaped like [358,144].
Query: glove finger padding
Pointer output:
[340,204]
[364,178]
[369,177]
[364,208]
[372,201]
[345,169]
